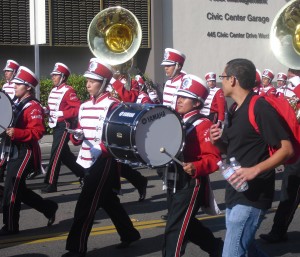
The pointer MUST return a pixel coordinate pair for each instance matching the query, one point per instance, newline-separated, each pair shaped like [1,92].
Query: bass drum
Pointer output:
[135,133]
[7,115]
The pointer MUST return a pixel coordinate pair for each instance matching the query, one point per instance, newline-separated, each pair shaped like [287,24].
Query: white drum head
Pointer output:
[6,111]
[159,127]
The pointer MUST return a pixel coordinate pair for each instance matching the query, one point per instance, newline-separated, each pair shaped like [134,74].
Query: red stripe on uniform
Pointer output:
[94,205]
[187,218]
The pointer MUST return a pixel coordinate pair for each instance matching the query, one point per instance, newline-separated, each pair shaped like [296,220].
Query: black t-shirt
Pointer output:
[250,148]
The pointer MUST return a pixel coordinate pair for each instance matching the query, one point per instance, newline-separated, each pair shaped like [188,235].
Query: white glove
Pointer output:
[78,135]
[109,88]
[153,95]
[96,150]
[295,81]
[57,114]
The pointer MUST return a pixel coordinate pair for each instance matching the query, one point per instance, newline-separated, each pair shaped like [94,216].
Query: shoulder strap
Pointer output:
[192,119]
[251,112]
[20,106]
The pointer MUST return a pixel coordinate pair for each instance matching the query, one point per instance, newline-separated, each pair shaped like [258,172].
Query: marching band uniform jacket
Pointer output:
[91,117]
[9,88]
[170,88]
[215,104]
[62,98]
[125,95]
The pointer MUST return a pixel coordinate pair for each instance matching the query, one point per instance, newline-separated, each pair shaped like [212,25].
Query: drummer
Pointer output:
[27,129]
[10,71]
[101,169]
[188,185]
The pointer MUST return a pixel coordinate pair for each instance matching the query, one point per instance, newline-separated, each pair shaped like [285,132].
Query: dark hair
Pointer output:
[244,71]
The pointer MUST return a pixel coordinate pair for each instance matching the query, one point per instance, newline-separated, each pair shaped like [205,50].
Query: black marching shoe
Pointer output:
[143,191]
[73,254]
[126,244]
[49,189]
[51,217]
[5,232]
[274,237]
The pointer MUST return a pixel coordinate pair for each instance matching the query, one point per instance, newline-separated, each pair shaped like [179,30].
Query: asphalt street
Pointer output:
[38,240]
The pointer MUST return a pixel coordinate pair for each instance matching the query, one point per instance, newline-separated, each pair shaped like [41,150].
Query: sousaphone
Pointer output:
[114,35]
[285,35]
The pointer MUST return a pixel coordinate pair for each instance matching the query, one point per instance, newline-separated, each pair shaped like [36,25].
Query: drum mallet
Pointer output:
[3,127]
[163,150]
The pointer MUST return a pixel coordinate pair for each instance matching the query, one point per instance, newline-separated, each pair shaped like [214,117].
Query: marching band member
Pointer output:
[27,130]
[281,80]
[266,86]
[127,93]
[173,62]
[284,89]
[215,103]
[101,175]
[10,70]
[187,187]
[146,95]
[63,106]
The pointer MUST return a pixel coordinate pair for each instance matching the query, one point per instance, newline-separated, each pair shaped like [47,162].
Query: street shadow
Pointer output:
[30,255]
[143,247]
[291,246]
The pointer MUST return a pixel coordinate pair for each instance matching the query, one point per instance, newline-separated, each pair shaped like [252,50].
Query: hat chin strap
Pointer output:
[175,70]
[12,76]
[102,88]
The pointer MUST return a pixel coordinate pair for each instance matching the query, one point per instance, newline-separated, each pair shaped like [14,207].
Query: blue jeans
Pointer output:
[242,223]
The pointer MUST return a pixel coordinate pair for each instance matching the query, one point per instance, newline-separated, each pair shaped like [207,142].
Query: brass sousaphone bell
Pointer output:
[114,35]
[285,35]
[285,41]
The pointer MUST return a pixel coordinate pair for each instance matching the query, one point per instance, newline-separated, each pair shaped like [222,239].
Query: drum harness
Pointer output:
[18,108]
[171,178]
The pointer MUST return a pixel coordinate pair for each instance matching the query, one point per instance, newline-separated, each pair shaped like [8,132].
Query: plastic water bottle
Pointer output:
[236,165]
[227,171]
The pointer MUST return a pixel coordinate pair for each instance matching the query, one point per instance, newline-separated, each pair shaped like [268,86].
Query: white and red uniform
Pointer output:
[286,91]
[125,95]
[62,98]
[191,192]
[269,90]
[9,88]
[28,130]
[91,116]
[170,89]
[143,98]
[102,177]
[215,103]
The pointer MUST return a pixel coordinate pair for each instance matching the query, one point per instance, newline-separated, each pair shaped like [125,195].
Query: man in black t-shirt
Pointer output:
[245,210]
